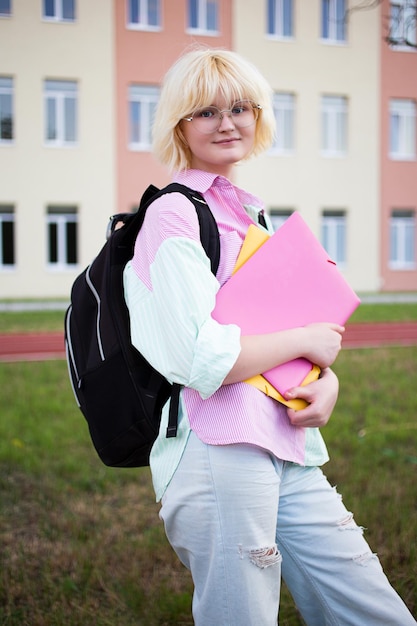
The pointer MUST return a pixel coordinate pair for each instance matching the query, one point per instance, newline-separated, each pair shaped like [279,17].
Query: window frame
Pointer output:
[398,31]
[7,90]
[404,110]
[62,217]
[143,8]
[284,106]
[201,10]
[59,6]
[8,12]
[146,97]
[7,216]
[334,112]
[402,237]
[278,12]
[334,235]
[331,22]
[61,93]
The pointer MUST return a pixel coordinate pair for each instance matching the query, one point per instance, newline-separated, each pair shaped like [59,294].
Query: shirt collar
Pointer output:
[198,180]
[202,181]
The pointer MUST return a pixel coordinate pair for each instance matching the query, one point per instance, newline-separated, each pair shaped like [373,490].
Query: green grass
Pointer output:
[31,321]
[395,312]
[82,544]
[42,321]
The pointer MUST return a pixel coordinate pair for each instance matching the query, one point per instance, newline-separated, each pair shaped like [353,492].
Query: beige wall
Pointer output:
[35,176]
[306,181]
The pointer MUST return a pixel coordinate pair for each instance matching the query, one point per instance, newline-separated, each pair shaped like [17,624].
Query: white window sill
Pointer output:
[137,147]
[281,38]
[402,267]
[60,144]
[58,20]
[202,32]
[144,27]
[402,157]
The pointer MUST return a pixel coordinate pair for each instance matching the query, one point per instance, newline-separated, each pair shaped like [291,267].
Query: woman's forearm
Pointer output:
[320,343]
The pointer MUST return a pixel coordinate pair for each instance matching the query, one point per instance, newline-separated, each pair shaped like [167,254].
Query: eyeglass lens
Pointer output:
[208,119]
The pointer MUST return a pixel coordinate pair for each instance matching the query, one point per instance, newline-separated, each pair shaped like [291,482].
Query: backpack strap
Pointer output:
[174,406]
[210,240]
[209,232]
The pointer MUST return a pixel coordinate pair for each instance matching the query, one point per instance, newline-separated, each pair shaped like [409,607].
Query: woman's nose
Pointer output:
[226,121]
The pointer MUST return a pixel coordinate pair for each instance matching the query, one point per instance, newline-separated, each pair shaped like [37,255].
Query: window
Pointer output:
[144,14]
[333,25]
[402,130]
[7,245]
[279,216]
[333,235]
[60,112]
[283,104]
[5,8]
[62,236]
[402,29]
[203,15]
[6,109]
[142,104]
[59,10]
[280,18]
[402,240]
[334,125]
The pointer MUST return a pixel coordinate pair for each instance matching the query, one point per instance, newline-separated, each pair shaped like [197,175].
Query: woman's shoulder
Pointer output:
[170,215]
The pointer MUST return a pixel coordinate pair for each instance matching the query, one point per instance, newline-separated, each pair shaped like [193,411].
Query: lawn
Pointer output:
[81,544]
[42,321]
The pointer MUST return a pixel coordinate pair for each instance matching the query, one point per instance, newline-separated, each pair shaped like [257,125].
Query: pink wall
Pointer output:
[398,178]
[144,57]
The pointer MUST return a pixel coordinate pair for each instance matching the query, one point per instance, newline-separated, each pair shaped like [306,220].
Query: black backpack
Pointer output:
[119,393]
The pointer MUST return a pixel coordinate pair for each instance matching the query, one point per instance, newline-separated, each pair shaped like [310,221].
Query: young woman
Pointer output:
[243,498]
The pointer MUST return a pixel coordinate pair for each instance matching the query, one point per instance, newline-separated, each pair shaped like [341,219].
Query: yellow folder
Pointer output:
[254,239]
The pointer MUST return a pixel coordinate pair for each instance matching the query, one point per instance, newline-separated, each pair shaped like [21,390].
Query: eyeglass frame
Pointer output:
[255,107]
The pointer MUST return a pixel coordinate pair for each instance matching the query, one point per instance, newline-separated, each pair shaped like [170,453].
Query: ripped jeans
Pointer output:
[239,518]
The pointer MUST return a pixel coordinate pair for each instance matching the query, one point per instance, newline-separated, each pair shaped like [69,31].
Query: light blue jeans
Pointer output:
[238,518]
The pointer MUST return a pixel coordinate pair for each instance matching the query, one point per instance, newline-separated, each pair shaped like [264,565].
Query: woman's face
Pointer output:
[218,151]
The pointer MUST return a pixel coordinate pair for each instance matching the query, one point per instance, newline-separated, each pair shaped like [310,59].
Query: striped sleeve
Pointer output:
[171,323]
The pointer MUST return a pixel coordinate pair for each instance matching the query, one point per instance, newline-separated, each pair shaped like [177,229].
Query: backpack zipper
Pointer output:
[97,297]
[70,358]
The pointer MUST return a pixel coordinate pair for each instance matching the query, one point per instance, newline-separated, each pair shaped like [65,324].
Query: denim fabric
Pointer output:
[238,518]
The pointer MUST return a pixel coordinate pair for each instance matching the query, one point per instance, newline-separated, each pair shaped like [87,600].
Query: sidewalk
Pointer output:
[47,346]
[62,305]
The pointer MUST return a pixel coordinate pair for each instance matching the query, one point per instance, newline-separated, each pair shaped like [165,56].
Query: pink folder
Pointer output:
[289,282]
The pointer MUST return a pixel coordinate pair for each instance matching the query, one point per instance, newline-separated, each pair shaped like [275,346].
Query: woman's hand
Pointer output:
[323,343]
[321,396]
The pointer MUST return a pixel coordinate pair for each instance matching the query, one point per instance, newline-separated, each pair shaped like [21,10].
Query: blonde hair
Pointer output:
[194,81]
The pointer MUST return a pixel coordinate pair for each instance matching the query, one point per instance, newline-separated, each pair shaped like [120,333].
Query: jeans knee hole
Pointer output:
[262,557]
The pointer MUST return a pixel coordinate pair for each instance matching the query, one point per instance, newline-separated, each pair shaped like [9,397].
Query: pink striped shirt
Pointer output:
[218,414]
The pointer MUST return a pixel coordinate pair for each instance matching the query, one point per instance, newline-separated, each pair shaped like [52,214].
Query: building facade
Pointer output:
[324,69]
[57,158]
[79,82]
[398,146]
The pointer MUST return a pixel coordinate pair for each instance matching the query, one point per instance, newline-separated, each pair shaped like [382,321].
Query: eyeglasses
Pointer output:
[208,119]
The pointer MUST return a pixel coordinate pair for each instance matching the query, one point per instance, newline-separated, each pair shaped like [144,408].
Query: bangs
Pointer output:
[215,79]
